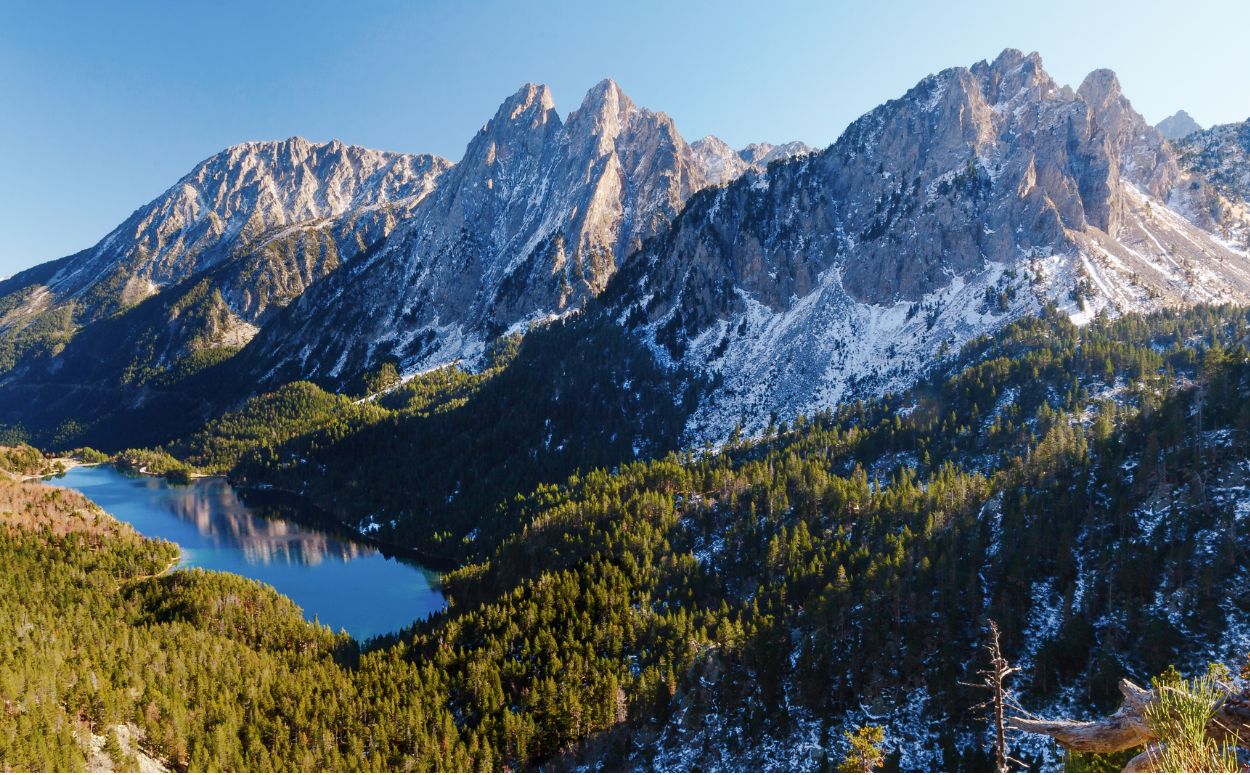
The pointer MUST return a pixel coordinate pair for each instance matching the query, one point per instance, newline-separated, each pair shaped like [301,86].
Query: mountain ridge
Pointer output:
[982,194]
[553,207]
[281,213]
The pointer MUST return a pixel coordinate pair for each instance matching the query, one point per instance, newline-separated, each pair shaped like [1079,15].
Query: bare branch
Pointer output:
[1127,727]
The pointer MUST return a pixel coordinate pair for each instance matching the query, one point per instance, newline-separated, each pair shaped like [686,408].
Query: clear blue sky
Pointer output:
[107,104]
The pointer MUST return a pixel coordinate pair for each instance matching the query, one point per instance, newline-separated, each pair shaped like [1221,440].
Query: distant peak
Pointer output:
[711,142]
[1179,124]
[763,153]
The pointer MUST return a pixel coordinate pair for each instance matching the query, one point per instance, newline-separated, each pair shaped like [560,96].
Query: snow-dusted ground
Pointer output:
[826,348]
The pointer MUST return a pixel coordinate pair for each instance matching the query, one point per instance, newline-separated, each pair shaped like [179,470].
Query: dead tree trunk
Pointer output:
[1127,727]
[993,680]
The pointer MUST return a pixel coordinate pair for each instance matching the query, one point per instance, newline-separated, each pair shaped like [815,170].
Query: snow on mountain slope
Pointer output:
[1221,156]
[530,224]
[722,164]
[251,203]
[981,195]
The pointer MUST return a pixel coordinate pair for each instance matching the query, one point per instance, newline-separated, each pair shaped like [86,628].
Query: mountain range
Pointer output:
[732,455]
[790,278]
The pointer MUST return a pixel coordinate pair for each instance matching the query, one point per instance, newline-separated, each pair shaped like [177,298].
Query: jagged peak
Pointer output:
[295,142]
[531,102]
[1100,87]
[714,144]
[1011,74]
[522,125]
[293,152]
[606,93]
[606,106]
[296,147]
[1013,58]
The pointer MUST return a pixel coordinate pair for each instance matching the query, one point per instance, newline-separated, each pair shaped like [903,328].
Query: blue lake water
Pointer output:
[342,583]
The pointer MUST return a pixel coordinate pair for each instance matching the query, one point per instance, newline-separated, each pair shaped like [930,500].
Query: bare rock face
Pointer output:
[978,196]
[1220,155]
[530,224]
[234,201]
[276,215]
[722,164]
[1178,125]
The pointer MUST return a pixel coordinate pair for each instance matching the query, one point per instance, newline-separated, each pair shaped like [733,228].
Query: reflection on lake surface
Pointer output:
[220,515]
[342,583]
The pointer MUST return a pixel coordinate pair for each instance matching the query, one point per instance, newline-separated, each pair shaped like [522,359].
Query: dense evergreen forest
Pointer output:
[738,607]
[431,460]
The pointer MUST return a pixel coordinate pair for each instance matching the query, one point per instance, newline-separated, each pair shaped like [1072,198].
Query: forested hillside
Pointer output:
[1086,488]
[427,462]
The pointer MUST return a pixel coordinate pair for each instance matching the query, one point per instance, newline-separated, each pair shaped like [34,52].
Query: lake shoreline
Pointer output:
[344,581]
[67,464]
[322,519]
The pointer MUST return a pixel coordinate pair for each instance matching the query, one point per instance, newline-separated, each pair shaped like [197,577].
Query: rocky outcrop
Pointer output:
[1221,156]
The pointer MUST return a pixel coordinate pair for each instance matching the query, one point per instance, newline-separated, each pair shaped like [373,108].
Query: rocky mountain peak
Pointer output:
[606,99]
[1100,88]
[506,146]
[531,103]
[228,207]
[722,164]
[714,144]
[1014,76]
[1134,150]
[761,154]
[976,196]
[531,223]
[1179,124]
[605,113]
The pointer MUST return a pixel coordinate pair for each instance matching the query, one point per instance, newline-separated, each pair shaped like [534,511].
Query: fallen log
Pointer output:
[1127,727]
[1124,729]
